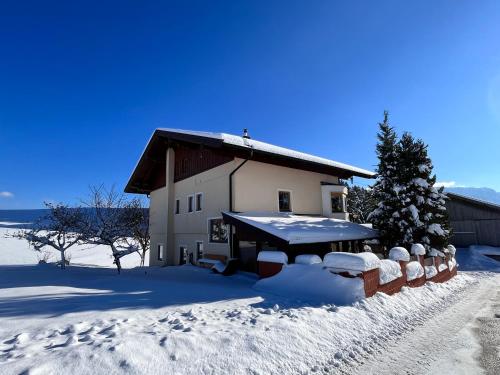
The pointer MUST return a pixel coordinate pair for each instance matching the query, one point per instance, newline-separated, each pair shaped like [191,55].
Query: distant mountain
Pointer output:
[26,218]
[484,194]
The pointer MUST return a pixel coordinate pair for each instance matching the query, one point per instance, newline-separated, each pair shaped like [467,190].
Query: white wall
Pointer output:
[157,223]
[256,188]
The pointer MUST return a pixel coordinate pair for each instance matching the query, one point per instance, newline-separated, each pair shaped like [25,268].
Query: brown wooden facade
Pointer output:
[473,222]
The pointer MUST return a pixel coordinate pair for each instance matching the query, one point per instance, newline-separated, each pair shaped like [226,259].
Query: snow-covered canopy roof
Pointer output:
[301,229]
[238,146]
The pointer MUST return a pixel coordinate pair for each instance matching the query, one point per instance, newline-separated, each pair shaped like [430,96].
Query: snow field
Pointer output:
[244,334]
[187,320]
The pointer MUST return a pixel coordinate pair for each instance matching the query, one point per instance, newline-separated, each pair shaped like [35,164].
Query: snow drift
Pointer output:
[313,283]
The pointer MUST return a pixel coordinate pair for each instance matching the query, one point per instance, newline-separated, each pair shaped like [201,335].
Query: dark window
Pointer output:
[199,198]
[190,203]
[217,231]
[337,203]
[199,250]
[284,201]
[183,256]
[177,206]
[160,251]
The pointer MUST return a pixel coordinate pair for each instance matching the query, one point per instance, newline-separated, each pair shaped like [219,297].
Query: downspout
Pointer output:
[231,199]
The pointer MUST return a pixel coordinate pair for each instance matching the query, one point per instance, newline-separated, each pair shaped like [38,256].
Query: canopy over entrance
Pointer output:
[298,229]
[290,229]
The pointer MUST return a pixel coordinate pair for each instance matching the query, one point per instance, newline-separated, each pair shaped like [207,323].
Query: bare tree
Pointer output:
[59,229]
[139,218]
[110,223]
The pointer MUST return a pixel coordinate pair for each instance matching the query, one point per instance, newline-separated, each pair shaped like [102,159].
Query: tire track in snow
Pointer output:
[445,343]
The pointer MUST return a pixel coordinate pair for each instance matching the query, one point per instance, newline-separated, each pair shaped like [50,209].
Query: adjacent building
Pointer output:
[473,221]
[221,196]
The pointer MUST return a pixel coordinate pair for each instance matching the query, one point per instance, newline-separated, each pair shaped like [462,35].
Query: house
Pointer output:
[215,196]
[473,221]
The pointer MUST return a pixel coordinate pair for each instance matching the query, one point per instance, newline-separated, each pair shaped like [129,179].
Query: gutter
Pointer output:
[231,200]
[231,180]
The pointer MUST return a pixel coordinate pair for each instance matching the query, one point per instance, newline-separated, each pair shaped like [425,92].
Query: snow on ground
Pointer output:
[187,320]
[474,259]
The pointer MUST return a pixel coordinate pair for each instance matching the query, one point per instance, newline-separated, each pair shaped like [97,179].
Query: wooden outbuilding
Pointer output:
[473,221]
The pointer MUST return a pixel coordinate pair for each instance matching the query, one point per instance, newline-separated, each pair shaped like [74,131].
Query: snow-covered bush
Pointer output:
[436,253]
[399,254]
[389,271]
[414,270]
[452,263]
[272,257]
[452,250]
[442,267]
[313,283]
[307,259]
[417,249]
[430,272]
[352,262]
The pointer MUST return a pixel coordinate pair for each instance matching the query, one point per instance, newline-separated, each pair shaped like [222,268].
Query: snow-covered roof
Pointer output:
[473,200]
[239,141]
[300,229]
[145,176]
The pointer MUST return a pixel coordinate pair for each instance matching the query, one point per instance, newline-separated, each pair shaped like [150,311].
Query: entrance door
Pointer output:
[183,255]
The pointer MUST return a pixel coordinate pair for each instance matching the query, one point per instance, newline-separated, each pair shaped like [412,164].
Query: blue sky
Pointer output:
[84,84]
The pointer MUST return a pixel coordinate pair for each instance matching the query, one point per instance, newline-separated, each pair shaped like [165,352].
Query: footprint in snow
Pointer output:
[163,341]
[178,327]
[108,331]
[85,338]
[87,331]
[64,344]
[20,338]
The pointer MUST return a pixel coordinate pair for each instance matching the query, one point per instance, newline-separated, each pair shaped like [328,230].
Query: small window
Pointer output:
[177,206]
[190,203]
[199,199]
[337,202]
[160,251]
[284,198]
[217,231]
[199,250]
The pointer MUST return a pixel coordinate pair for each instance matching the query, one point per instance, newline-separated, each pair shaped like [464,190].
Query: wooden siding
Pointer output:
[190,161]
[473,224]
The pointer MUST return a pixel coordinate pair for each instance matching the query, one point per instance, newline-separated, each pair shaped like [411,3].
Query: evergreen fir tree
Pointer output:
[410,200]
[435,232]
[385,216]
[423,216]
[409,209]
[360,203]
